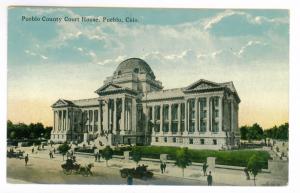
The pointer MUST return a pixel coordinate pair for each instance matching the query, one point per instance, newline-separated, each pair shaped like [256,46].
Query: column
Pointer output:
[232,106]
[133,114]
[122,124]
[114,129]
[54,123]
[210,114]
[105,114]
[186,117]
[99,117]
[64,120]
[67,119]
[161,119]
[221,114]
[207,114]
[170,118]
[179,117]
[153,119]
[197,128]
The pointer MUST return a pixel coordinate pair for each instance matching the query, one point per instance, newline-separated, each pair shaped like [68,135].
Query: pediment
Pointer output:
[108,87]
[202,84]
[60,103]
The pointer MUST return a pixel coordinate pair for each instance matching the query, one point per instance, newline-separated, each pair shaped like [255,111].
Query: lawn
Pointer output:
[228,157]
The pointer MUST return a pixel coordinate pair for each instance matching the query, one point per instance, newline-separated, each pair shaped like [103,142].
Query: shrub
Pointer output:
[230,157]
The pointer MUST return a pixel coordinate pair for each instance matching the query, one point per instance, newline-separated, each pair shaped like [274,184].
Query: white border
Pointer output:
[294,110]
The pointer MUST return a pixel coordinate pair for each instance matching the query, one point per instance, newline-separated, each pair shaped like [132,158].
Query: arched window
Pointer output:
[119,72]
[136,70]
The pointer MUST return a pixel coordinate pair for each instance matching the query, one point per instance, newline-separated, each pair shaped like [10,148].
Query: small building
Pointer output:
[133,108]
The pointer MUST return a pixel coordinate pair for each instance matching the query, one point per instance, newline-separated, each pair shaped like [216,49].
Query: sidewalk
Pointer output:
[220,176]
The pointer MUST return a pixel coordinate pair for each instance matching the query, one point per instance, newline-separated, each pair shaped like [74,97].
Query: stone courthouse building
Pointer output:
[133,108]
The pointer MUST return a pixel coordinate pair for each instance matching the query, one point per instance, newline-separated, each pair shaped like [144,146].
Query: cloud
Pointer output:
[249,43]
[256,20]
[44,57]
[28,52]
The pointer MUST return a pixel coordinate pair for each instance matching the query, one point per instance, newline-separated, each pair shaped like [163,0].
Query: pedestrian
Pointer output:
[247,173]
[99,157]
[209,179]
[50,154]
[204,167]
[26,159]
[165,166]
[161,167]
[129,180]
[54,150]
[32,150]
[96,156]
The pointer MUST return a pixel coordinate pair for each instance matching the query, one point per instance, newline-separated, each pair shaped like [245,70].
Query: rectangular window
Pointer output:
[165,139]
[182,113]
[191,141]
[202,141]
[214,141]
[157,112]
[156,139]
[202,125]
[96,115]
[216,113]
[90,115]
[150,113]
[175,112]
[166,127]
[174,139]
[215,127]
[166,112]
[192,126]
[174,127]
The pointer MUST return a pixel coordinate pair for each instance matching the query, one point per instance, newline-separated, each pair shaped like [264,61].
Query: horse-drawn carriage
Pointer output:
[140,172]
[72,167]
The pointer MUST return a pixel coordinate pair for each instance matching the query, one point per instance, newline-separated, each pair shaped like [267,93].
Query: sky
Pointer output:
[70,60]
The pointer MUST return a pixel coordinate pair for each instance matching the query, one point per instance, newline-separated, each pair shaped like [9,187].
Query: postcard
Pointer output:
[148,96]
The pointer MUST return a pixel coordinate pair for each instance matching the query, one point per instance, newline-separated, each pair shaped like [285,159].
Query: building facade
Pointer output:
[133,108]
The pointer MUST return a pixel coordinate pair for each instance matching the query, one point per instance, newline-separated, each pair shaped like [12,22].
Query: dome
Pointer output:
[134,65]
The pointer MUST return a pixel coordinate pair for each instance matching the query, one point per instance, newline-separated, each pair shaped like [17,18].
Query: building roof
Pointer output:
[164,94]
[134,65]
[86,102]
[78,103]
[198,86]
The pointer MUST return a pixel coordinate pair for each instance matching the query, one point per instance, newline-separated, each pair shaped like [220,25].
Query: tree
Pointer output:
[12,135]
[136,154]
[47,132]
[107,153]
[244,132]
[255,165]
[182,159]
[63,149]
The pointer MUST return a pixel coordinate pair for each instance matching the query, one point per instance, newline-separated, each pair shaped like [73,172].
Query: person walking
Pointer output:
[50,154]
[204,168]
[209,179]
[32,150]
[161,167]
[26,159]
[99,156]
[247,173]
[129,180]
[96,156]
[165,166]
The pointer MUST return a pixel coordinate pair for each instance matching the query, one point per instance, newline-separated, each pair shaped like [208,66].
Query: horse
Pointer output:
[86,170]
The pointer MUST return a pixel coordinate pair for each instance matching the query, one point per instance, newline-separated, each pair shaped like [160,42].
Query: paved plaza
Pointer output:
[42,169]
